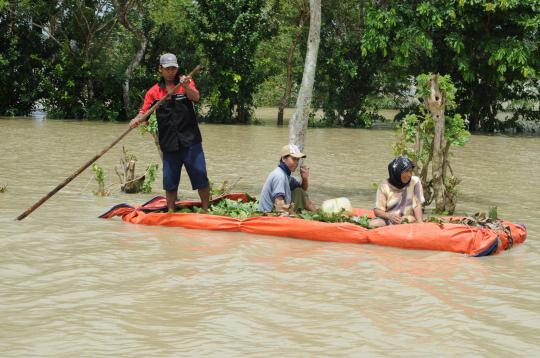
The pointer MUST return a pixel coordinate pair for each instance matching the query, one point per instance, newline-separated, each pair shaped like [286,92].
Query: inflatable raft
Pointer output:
[459,238]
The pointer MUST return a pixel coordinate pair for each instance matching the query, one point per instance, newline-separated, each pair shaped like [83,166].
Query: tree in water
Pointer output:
[427,137]
[299,121]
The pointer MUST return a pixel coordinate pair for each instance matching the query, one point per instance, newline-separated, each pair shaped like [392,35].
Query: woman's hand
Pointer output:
[394,218]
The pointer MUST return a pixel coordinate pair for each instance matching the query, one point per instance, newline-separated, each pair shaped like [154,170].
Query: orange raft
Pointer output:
[457,238]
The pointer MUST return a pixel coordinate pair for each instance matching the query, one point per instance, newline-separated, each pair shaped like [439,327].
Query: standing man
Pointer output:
[179,135]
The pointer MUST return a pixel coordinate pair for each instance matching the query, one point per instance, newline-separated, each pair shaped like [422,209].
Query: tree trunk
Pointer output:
[89,80]
[129,73]
[290,59]
[242,114]
[90,89]
[123,9]
[427,185]
[436,103]
[299,121]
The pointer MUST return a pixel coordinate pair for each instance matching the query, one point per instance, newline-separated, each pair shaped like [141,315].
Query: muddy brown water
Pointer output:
[75,285]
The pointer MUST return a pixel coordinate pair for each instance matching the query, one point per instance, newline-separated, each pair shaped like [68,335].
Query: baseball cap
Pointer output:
[168,60]
[292,150]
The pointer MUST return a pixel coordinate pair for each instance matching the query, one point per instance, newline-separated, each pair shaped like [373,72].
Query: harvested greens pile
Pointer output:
[235,209]
[240,210]
[341,217]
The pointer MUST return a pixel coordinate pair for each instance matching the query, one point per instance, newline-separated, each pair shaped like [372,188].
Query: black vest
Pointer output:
[177,124]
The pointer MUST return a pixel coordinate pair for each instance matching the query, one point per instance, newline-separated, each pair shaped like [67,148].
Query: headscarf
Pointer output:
[395,168]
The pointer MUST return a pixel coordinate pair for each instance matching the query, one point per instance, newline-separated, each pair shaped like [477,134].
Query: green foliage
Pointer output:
[331,119]
[416,132]
[446,87]
[492,213]
[269,93]
[151,126]
[229,43]
[524,105]
[235,209]
[89,81]
[99,176]
[149,178]
[272,54]
[491,50]
[224,188]
[243,210]
[23,61]
[417,127]
[345,78]
[341,217]
[413,129]
[71,57]
[455,132]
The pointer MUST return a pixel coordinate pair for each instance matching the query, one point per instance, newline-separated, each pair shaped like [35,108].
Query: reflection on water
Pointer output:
[72,284]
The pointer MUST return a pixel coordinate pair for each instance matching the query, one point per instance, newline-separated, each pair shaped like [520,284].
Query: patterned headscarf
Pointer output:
[395,168]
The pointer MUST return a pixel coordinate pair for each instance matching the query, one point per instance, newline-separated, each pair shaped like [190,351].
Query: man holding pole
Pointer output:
[179,135]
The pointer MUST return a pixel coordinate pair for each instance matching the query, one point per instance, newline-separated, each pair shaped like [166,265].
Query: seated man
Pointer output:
[281,189]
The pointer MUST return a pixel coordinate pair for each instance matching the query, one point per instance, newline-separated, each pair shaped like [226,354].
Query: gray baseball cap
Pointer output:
[168,60]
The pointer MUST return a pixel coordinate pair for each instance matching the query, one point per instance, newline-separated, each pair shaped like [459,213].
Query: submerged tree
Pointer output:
[129,182]
[427,138]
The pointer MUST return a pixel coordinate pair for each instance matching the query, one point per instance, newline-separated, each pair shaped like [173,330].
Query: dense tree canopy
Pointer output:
[22,62]
[230,32]
[76,58]
[491,49]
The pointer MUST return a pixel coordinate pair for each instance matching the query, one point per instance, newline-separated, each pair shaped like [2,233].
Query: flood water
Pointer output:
[75,285]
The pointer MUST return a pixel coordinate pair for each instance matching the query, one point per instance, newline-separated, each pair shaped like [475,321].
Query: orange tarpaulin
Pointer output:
[458,238]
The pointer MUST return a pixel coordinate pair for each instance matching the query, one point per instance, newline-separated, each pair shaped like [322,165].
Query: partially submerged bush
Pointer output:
[99,176]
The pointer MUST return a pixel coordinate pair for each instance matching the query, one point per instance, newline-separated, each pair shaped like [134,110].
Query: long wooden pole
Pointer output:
[100,154]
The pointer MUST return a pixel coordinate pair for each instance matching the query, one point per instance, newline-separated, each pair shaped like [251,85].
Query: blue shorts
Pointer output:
[193,158]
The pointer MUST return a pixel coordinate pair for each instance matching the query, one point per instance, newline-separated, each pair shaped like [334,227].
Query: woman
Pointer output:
[400,197]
